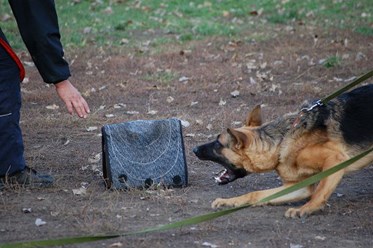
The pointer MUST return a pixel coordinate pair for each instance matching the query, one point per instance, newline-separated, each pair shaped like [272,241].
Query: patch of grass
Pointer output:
[366,30]
[186,37]
[285,17]
[107,22]
[165,78]
[161,41]
[332,61]
[336,13]
[9,27]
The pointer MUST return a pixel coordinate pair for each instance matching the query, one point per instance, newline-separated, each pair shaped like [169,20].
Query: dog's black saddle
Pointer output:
[143,153]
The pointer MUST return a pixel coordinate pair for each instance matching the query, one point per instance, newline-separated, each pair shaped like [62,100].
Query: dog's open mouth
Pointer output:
[223,177]
[226,176]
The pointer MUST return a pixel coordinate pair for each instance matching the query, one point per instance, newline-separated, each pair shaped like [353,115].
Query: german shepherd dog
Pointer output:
[296,146]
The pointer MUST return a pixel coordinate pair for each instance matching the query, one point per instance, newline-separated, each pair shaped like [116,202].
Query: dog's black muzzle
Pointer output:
[208,151]
[211,152]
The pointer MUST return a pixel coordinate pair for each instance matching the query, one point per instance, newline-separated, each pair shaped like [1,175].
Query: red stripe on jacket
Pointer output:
[14,56]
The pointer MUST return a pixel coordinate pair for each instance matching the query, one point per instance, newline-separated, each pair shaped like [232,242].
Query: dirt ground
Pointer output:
[193,82]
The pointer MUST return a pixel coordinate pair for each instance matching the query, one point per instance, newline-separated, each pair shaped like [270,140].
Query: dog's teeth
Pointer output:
[220,175]
[217,179]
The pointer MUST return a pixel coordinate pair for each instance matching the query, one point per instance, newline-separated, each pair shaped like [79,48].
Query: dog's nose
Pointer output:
[195,150]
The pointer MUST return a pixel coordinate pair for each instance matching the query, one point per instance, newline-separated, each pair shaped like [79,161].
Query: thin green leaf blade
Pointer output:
[315,178]
[190,221]
[347,87]
[58,242]
[193,220]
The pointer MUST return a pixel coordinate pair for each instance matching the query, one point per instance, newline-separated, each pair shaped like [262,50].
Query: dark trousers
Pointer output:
[11,143]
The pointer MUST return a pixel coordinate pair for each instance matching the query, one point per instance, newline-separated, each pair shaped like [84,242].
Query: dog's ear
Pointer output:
[254,119]
[239,139]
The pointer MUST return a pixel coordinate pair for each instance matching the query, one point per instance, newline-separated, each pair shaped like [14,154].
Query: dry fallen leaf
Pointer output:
[322,61]
[80,191]
[295,245]
[226,13]
[95,159]
[108,10]
[124,41]
[28,63]
[237,123]
[52,107]
[320,237]
[263,65]
[278,62]
[183,79]
[222,102]
[185,123]
[102,87]
[253,13]
[132,112]
[118,244]
[340,195]
[251,64]
[55,213]
[119,105]
[337,79]
[170,99]
[360,56]
[235,93]
[350,79]
[26,210]
[252,80]
[90,129]
[152,112]
[87,30]
[199,122]
[208,244]
[26,80]
[5,17]
[364,15]
[40,222]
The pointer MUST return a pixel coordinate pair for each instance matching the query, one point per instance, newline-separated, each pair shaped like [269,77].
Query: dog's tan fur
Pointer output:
[295,153]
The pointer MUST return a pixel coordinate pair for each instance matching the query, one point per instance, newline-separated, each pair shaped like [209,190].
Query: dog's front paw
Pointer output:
[294,212]
[219,202]
[301,212]
[231,202]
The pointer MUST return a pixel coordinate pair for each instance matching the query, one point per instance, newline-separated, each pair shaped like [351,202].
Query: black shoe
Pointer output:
[27,178]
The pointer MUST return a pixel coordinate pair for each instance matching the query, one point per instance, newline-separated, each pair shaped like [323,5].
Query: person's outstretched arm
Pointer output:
[38,24]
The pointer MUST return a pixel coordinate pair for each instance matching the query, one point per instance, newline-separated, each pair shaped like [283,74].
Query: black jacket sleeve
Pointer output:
[38,24]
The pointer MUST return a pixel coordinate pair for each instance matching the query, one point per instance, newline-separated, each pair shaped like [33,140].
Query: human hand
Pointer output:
[72,98]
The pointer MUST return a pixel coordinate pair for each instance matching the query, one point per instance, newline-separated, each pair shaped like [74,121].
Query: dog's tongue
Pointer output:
[223,177]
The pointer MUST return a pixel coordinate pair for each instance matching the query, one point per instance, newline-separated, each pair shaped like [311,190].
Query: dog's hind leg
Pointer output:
[256,196]
[323,190]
